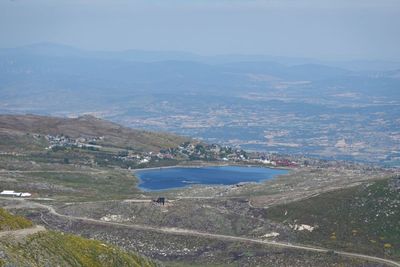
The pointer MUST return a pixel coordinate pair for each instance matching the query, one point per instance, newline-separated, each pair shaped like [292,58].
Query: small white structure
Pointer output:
[272,234]
[303,227]
[14,194]
[145,160]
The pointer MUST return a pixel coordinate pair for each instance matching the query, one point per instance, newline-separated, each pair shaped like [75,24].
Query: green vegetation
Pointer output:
[59,249]
[9,221]
[50,248]
[115,184]
[66,181]
[362,219]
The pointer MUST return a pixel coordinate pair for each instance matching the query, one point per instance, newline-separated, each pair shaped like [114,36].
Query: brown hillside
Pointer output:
[88,126]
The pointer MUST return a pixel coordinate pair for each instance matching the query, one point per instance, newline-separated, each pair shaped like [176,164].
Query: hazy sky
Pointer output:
[336,29]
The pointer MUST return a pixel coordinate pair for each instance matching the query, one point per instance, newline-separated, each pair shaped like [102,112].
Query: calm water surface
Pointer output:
[161,179]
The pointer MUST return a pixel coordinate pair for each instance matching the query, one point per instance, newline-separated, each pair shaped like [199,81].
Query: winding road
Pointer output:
[187,232]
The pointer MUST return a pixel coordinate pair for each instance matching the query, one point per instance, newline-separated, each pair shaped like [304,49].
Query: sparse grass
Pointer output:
[362,219]
[9,221]
[109,184]
[72,250]
[66,181]
[53,248]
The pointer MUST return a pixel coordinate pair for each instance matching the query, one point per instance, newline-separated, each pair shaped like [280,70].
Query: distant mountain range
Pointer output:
[39,77]
[288,105]
[59,50]
[68,68]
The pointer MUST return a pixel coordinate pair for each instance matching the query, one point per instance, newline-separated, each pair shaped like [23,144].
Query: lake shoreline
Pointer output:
[211,165]
[174,177]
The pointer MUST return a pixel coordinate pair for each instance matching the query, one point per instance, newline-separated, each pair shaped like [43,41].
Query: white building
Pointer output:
[14,194]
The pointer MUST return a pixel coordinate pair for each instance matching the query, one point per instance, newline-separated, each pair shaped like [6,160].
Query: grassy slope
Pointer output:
[362,219]
[58,249]
[9,221]
[66,181]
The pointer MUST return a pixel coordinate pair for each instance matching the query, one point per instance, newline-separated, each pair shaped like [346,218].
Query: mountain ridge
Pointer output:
[90,126]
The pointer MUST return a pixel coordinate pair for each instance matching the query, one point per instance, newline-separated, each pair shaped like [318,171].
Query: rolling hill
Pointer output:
[87,126]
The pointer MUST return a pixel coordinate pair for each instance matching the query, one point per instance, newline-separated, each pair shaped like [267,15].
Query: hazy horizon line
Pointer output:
[198,54]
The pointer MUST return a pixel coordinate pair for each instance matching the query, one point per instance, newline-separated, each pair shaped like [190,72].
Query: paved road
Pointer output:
[179,231]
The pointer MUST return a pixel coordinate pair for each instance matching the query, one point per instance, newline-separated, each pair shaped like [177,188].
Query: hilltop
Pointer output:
[106,132]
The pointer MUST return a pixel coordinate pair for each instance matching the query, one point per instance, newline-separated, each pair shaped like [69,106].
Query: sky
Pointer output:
[335,30]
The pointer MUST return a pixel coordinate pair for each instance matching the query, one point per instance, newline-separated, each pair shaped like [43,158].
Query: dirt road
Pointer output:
[21,233]
[187,232]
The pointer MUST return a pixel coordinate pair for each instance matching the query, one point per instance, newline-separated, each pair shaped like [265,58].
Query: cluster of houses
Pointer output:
[282,162]
[141,158]
[186,151]
[229,154]
[205,152]
[213,152]
[65,141]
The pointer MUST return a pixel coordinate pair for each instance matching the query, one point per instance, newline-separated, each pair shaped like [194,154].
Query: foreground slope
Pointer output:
[12,222]
[58,249]
[51,248]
